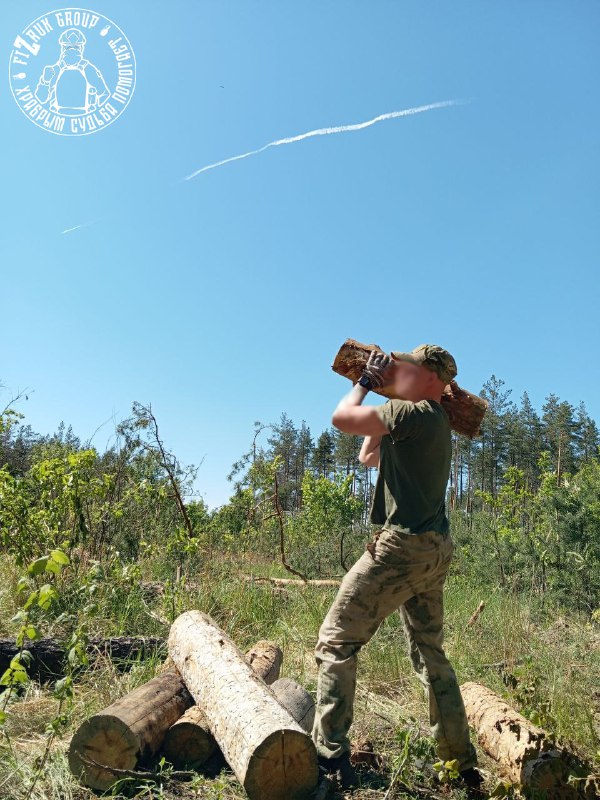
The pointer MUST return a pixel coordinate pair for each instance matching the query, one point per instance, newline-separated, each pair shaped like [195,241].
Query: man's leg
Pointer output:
[380,581]
[423,620]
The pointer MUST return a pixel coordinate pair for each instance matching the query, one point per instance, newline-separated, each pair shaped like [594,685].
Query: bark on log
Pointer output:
[465,410]
[268,751]
[48,655]
[523,750]
[295,699]
[129,731]
[189,742]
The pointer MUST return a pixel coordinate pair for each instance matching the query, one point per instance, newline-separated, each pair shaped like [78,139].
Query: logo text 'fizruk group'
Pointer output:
[72,71]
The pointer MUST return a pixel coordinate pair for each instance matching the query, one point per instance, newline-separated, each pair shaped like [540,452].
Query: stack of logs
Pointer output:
[210,698]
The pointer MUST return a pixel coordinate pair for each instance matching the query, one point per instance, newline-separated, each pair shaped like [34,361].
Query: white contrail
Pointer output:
[82,225]
[358,126]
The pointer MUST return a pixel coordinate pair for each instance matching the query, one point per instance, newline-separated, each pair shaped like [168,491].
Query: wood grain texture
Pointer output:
[270,754]
[189,742]
[129,731]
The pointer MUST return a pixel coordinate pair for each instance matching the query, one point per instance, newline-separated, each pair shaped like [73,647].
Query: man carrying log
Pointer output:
[405,566]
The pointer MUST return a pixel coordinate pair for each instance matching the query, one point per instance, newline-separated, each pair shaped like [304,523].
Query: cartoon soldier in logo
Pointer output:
[73,86]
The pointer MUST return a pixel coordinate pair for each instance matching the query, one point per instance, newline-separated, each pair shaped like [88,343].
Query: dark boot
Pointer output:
[473,781]
[340,770]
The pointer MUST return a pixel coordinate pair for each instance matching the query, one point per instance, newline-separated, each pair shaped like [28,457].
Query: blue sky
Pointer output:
[223,300]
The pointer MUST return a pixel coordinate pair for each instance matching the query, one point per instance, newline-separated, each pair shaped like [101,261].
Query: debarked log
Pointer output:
[128,732]
[270,754]
[465,410]
[524,751]
[189,742]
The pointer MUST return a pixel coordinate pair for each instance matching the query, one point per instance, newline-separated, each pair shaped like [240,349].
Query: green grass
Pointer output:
[552,664]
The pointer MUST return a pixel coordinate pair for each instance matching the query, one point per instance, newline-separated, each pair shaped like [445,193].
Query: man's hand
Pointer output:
[376,368]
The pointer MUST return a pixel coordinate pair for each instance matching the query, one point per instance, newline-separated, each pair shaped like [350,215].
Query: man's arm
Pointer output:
[352,417]
[370,452]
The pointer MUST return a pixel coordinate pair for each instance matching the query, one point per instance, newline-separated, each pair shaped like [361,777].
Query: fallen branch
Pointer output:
[475,616]
[145,775]
[292,581]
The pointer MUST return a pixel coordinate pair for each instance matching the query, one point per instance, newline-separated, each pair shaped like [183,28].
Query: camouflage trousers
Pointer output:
[404,572]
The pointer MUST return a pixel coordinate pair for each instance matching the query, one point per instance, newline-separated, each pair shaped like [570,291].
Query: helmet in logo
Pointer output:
[72,37]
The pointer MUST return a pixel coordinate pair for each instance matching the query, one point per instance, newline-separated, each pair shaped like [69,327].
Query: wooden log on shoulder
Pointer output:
[297,700]
[465,410]
[189,742]
[270,754]
[524,751]
[128,732]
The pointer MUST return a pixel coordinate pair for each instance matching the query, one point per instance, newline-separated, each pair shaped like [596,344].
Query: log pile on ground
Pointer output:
[209,696]
[525,753]
[210,699]
[465,410]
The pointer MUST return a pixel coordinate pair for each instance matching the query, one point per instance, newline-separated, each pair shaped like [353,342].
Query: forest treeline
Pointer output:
[524,498]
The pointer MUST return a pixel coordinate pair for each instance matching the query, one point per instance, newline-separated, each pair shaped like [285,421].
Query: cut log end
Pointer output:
[130,730]
[265,658]
[102,739]
[189,742]
[284,767]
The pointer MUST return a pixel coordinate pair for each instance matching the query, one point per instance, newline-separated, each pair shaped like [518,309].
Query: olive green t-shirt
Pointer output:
[414,466]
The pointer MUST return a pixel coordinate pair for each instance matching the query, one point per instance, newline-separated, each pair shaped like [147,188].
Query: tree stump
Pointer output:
[465,410]
[189,742]
[523,750]
[270,754]
[294,697]
[129,731]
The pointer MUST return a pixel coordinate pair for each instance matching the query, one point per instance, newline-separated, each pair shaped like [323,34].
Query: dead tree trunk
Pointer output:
[129,731]
[268,751]
[465,410]
[48,655]
[523,750]
[295,699]
[189,742]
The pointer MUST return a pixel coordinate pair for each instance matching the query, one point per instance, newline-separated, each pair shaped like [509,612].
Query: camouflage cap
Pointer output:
[432,357]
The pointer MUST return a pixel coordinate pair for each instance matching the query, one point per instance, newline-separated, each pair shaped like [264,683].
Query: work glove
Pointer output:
[375,369]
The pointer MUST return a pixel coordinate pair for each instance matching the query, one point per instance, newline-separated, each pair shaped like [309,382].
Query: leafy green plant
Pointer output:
[447,770]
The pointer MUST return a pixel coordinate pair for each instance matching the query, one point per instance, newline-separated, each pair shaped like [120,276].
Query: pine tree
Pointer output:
[323,460]
[587,437]
[559,430]
[284,443]
[493,445]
